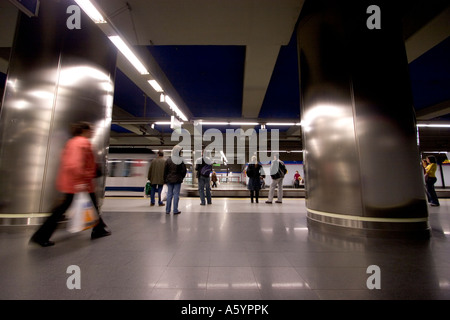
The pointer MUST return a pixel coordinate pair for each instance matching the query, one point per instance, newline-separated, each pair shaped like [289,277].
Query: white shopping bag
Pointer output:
[81,213]
[164,193]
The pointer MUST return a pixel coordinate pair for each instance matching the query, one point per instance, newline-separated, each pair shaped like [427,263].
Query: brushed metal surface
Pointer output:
[331,157]
[56,77]
[361,156]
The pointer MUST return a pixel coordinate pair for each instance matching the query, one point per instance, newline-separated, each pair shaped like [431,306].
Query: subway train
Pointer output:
[126,174]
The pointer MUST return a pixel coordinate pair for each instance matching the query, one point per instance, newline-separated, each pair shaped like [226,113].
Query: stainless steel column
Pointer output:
[362,164]
[56,77]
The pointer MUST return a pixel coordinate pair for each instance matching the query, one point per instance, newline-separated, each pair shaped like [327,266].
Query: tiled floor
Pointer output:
[232,249]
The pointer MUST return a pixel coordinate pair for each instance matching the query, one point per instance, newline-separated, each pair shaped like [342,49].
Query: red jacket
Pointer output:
[77,166]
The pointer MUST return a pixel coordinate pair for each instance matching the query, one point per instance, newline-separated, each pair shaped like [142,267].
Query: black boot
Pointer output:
[100,230]
[42,243]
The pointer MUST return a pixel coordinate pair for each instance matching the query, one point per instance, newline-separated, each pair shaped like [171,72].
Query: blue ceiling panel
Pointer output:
[2,79]
[282,98]
[133,100]
[430,76]
[119,129]
[209,79]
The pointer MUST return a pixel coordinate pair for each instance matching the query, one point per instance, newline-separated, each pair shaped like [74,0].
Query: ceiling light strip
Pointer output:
[126,51]
[433,125]
[91,11]
[155,85]
[175,108]
[244,123]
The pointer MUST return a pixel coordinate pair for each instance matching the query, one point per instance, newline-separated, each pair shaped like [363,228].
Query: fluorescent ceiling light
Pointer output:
[155,85]
[214,123]
[175,108]
[126,51]
[435,151]
[91,11]
[434,125]
[280,123]
[163,122]
[244,123]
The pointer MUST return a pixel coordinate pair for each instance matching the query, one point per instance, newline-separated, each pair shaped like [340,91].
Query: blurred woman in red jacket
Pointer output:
[76,174]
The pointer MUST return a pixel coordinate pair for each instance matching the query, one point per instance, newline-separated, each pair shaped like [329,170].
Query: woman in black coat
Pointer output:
[254,172]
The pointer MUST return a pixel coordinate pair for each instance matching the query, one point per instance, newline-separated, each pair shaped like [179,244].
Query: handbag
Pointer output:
[148,188]
[81,213]
[164,193]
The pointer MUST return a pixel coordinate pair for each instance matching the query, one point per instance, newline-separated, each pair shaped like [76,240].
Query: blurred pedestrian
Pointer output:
[277,173]
[156,177]
[77,172]
[430,179]
[174,173]
[214,179]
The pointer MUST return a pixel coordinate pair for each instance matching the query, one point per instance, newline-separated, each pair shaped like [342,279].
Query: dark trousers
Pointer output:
[156,188]
[431,192]
[254,193]
[49,226]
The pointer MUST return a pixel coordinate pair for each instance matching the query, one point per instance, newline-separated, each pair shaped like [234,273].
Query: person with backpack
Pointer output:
[277,172]
[204,168]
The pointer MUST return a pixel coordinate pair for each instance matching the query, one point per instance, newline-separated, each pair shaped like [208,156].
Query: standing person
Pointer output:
[214,179]
[204,167]
[254,182]
[174,173]
[77,172]
[430,179]
[277,172]
[156,177]
[297,179]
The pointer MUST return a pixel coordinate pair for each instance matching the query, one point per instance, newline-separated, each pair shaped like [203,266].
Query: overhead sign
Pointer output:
[29,7]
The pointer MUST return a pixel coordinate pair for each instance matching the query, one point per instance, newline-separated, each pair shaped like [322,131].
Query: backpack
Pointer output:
[206,170]
[281,171]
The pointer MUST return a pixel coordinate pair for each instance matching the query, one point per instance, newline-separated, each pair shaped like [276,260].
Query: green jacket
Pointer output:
[156,171]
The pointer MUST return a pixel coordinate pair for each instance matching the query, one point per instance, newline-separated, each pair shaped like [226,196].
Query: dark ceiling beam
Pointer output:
[438,110]
[429,35]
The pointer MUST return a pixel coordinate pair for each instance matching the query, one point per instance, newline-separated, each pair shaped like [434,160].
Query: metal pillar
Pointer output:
[362,164]
[56,76]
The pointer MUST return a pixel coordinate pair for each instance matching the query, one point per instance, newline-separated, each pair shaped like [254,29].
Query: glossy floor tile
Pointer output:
[230,250]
